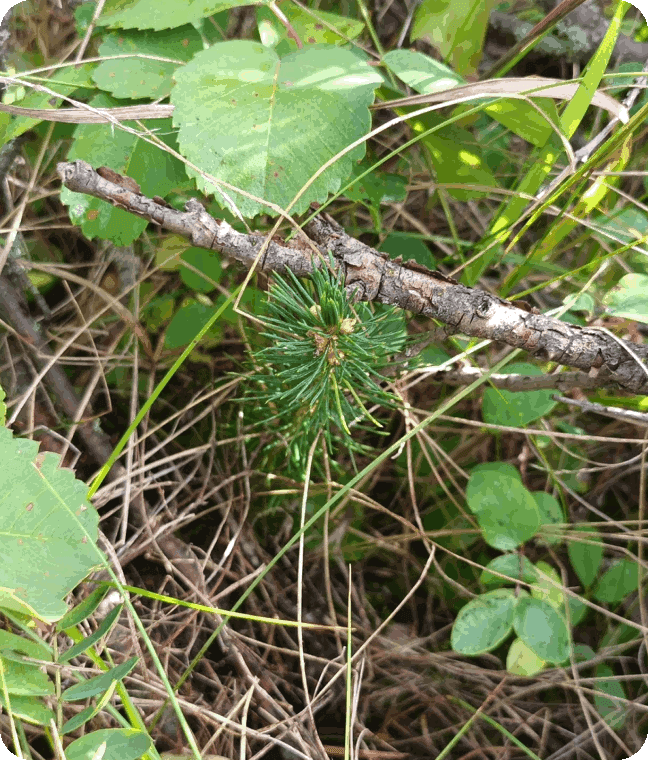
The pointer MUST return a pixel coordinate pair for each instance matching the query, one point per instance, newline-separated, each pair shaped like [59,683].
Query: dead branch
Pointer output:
[371,275]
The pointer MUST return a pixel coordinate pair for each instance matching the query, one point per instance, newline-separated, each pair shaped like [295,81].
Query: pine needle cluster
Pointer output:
[322,369]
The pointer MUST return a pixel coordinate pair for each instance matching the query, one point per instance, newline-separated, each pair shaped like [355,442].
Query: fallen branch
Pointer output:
[371,275]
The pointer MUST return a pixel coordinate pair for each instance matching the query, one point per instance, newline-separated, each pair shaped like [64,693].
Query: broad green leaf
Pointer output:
[187,321]
[617,582]
[30,709]
[420,72]
[506,512]
[267,125]
[497,469]
[580,302]
[121,744]
[3,407]
[82,646]
[613,711]
[577,610]
[312,27]
[38,650]
[155,170]
[99,684]
[517,409]
[522,661]
[144,78]
[551,513]
[26,679]
[628,298]
[456,29]
[545,589]
[207,262]
[525,120]
[64,82]
[84,609]
[377,187]
[542,629]
[425,75]
[45,521]
[152,14]
[458,160]
[585,553]
[627,225]
[410,248]
[484,623]
[514,565]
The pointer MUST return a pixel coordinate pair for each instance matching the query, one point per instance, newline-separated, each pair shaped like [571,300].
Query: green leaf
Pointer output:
[577,610]
[45,521]
[377,187]
[30,709]
[121,744]
[410,248]
[613,712]
[266,124]
[517,409]
[617,582]
[628,298]
[484,623]
[514,565]
[38,650]
[626,224]
[155,170]
[76,721]
[3,407]
[545,589]
[458,160]
[544,160]
[522,661]
[152,14]
[65,82]
[425,75]
[551,513]
[99,684]
[586,555]
[81,646]
[187,321]
[420,72]
[525,120]
[144,78]
[542,629]
[206,261]
[456,29]
[312,27]
[506,512]
[583,653]
[84,609]
[25,679]
[596,68]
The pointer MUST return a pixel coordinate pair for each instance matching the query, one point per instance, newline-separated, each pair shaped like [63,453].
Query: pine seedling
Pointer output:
[322,370]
